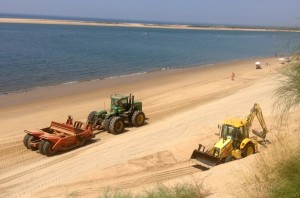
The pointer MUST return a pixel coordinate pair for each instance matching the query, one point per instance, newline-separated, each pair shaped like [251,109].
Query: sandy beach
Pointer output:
[139,25]
[183,108]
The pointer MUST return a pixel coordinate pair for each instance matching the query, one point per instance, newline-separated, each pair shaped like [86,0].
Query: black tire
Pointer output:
[92,117]
[116,125]
[97,121]
[47,149]
[138,118]
[25,140]
[41,144]
[248,150]
[30,139]
[229,158]
[106,124]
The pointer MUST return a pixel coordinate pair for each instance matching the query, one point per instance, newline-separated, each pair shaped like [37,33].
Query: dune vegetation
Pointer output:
[276,173]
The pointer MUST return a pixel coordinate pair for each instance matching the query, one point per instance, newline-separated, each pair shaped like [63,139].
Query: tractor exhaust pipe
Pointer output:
[129,99]
[132,100]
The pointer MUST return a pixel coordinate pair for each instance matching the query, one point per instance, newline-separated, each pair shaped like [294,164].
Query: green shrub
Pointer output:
[288,183]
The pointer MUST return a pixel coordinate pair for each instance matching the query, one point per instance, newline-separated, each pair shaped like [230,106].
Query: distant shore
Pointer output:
[140,25]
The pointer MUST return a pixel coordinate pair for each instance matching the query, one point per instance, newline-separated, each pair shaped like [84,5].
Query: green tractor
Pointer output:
[123,109]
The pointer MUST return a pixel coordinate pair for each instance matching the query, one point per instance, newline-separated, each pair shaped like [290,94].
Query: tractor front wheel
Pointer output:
[138,118]
[248,150]
[116,125]
[47,149]
[106,124]
[229,158]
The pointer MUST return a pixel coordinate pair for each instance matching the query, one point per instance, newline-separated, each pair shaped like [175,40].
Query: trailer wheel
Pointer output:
[41,144]
[116,125]
[106,124]
[138,118]
[30,139]
[248,150]
[47,149]
[25,140]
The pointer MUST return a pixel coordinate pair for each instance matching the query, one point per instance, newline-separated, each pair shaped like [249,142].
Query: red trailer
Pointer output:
[58,137]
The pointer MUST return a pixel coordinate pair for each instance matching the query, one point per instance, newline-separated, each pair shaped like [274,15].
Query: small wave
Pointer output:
[126,75]
[71,82]
[164,69]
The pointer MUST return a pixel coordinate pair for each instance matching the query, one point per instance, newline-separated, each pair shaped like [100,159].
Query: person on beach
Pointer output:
[232,76]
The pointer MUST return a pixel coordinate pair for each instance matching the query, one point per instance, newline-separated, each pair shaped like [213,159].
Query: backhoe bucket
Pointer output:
[204,158]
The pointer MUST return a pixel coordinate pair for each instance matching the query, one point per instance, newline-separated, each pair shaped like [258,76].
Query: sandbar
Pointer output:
[141,25]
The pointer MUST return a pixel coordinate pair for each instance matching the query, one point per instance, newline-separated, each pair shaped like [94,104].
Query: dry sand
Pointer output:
[183,108]
[136,25]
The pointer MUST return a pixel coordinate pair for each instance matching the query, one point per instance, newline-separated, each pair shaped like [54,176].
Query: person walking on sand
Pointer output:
[232,76]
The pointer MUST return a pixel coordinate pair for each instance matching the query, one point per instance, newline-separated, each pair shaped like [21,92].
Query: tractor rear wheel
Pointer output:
[25,140]
[31,139]
[106,124]
[116,125]
[41,144]
[47,149]
[138,118]
[248,150]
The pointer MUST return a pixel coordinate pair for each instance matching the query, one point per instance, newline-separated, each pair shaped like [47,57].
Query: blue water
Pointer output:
[40,55]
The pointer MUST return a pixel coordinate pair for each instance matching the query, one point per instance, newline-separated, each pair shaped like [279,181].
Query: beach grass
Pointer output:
[289,183]
[179,190]
[275,173]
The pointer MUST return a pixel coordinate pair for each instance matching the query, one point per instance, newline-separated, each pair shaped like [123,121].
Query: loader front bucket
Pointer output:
[204,158]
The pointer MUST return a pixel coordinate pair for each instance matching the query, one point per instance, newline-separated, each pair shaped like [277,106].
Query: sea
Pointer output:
[34,55]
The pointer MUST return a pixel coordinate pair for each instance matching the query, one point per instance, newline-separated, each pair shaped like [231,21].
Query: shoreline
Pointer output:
[140,25]
[76,88]
[183,67]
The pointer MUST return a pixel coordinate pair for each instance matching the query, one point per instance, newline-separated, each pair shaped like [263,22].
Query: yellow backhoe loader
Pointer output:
[234,141]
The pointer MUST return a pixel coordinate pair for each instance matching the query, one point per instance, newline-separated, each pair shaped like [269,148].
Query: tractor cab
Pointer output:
[119,103]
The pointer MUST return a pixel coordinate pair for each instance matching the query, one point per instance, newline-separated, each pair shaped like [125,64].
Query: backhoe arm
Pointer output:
[256,111]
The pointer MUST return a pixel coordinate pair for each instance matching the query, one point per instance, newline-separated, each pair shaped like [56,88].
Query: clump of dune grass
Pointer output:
[117,194]
[193,189]
[184,190]
[276,172]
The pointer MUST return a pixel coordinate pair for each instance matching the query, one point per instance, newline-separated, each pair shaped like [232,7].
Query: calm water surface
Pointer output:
[39,55]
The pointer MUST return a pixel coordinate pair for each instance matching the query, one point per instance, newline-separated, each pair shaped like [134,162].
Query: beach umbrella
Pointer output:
[257,63]
[281,59]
